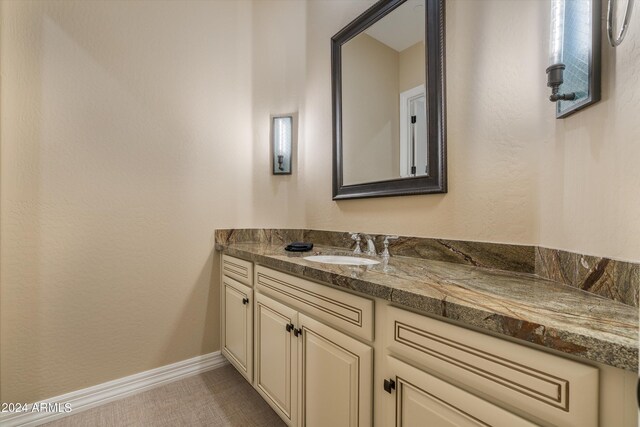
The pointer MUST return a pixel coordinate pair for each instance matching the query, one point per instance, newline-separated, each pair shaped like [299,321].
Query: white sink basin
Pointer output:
[342,260]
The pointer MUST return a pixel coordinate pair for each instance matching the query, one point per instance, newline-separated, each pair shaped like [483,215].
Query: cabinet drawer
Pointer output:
[238,269]
[556,390]
[343,310]
[420,399]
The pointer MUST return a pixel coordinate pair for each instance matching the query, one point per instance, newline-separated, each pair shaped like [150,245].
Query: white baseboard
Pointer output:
[90,397]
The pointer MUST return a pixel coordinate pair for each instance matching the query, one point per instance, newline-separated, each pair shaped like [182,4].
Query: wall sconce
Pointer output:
[574,53]
[281,144]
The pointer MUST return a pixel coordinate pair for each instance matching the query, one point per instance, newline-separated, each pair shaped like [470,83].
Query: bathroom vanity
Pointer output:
[414,342]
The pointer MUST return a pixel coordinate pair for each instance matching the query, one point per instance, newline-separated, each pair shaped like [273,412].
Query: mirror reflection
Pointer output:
[384,107]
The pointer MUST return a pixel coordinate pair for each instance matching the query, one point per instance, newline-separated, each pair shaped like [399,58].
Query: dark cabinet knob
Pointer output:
[245,301]
[389,385]
[297,332]
[289,327]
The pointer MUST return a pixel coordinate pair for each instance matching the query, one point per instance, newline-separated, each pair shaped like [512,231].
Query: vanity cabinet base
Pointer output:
[310,374]
[309,349]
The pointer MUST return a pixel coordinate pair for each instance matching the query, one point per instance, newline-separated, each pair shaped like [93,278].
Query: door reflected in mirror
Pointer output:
[383,98]
[388,101]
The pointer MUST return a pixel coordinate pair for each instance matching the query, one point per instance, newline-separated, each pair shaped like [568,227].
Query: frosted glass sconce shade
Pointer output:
[281,144]
[557,32]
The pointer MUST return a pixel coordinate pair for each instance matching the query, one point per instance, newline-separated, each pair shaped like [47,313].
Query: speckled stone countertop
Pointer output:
[515,304]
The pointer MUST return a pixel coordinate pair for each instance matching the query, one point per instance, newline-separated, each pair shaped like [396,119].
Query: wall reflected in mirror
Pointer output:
[384,108]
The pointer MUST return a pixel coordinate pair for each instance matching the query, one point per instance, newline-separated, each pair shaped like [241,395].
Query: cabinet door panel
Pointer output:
[335,374]
[420,399]
[237,328]
[276,356]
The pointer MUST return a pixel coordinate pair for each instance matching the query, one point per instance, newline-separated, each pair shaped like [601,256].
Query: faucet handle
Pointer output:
[385,252]
[387,238]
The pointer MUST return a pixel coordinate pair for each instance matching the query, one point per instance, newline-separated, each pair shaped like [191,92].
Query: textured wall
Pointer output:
[130,131]
[589,167]
[123,126]
[278,81]
[412,67]
[370,110]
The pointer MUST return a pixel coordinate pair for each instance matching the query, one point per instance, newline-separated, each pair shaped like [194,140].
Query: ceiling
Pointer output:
[402,28]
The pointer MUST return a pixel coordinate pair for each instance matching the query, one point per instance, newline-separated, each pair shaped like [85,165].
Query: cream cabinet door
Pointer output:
[237,318]
[419,399]
[336,374]
[276,349]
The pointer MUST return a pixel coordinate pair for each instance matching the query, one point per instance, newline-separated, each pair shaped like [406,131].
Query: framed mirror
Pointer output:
[389,101]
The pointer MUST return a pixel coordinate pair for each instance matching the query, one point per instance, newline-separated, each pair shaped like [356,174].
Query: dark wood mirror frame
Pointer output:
[436,181]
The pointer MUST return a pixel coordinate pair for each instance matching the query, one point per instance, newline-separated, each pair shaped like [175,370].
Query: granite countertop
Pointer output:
[519,305]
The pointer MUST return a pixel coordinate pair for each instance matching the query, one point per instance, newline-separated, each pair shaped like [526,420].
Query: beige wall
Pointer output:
[589,166]
[130,131]
[370,111]
[278,70]
[373,76]
[411,67]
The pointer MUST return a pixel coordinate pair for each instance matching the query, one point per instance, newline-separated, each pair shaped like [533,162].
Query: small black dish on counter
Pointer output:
[299,247]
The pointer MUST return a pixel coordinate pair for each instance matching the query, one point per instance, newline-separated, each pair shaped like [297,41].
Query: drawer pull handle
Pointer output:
[389,385]
[289,327]
[245,301]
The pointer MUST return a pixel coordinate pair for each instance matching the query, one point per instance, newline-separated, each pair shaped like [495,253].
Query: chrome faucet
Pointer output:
[385,253]
[371,246]
[356,237]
